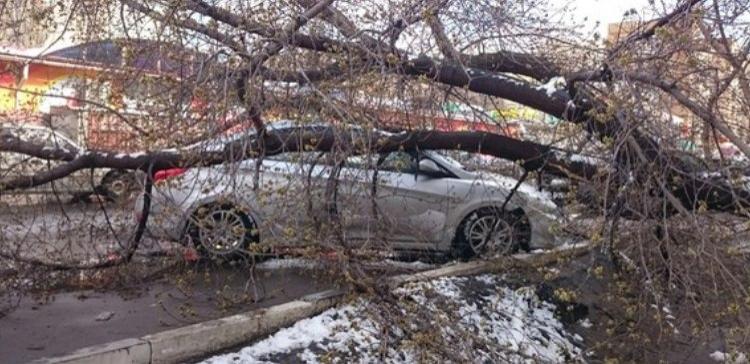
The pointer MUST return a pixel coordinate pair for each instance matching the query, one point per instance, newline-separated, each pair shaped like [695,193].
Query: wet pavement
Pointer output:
[55,324]
[59,323]
[67,231]
[72,320]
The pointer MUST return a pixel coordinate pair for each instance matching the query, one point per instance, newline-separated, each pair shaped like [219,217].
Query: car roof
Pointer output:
[7,126]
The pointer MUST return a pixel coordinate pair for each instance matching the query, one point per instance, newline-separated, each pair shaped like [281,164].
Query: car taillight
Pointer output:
[166,174]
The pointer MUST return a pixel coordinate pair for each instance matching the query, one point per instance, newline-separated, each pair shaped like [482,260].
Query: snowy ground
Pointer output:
[460,319]
[308,263]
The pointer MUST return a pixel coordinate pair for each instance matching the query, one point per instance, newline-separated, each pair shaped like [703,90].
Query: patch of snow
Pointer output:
[302,263]
[499,324]
[105,316]
[288,263]
[586,324]
[709,174]
[415,265]
[585,159]
[558,182]
[553,85]
[510,80]
[733,358]
[529,191]
[718,356]
[570,245]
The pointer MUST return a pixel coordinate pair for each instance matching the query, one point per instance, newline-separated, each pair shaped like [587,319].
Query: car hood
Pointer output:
[525,195]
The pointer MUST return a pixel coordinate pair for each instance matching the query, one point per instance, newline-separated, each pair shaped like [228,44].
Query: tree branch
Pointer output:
[694,107]
[443,43]
[316,43]
[531,156]
[189,24]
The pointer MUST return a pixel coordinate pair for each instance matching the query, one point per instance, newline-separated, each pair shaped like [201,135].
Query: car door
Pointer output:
[408,208]
[357,201]
[413,204]
[288,195]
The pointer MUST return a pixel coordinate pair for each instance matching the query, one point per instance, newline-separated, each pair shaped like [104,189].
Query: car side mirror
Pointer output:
[430,168]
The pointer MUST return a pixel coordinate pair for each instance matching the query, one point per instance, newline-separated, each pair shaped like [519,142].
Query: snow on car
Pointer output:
[416,201]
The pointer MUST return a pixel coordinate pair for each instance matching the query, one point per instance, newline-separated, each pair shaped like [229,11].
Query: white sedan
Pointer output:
[416,201]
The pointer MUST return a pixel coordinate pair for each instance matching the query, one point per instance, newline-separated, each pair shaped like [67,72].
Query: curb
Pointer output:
[194,340]
[490,265]
[116,352]
[458,269]
[198,339]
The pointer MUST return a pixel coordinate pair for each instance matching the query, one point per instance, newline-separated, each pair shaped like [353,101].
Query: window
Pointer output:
[300,157]
[44,137]
[365,161]
[60,142]
[401,162]
[105,52]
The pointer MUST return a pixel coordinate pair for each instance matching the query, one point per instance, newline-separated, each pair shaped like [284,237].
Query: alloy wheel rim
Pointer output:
[490,235]
[117,187]
[222,232]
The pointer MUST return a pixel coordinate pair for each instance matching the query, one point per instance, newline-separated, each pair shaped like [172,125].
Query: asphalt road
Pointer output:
[68,232]
[44,326]
[69,321]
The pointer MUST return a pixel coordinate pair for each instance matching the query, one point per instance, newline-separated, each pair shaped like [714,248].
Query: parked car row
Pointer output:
[416,201]
[114,183]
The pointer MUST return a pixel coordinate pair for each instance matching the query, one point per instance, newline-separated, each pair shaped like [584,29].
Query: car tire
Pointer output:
[117,184]
[223,232]
[513,233]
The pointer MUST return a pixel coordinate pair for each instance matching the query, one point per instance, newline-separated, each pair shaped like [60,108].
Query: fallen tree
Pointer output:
[697,186]
[619,100]
[577,99]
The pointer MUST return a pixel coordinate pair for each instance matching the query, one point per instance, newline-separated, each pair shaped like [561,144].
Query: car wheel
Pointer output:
[489,232]
[117,184]
[223,232]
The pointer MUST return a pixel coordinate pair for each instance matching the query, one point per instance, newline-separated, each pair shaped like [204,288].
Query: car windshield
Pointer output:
[444,158]
[42,136]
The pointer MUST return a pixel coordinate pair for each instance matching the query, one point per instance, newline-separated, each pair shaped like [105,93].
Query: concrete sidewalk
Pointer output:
[69,321]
